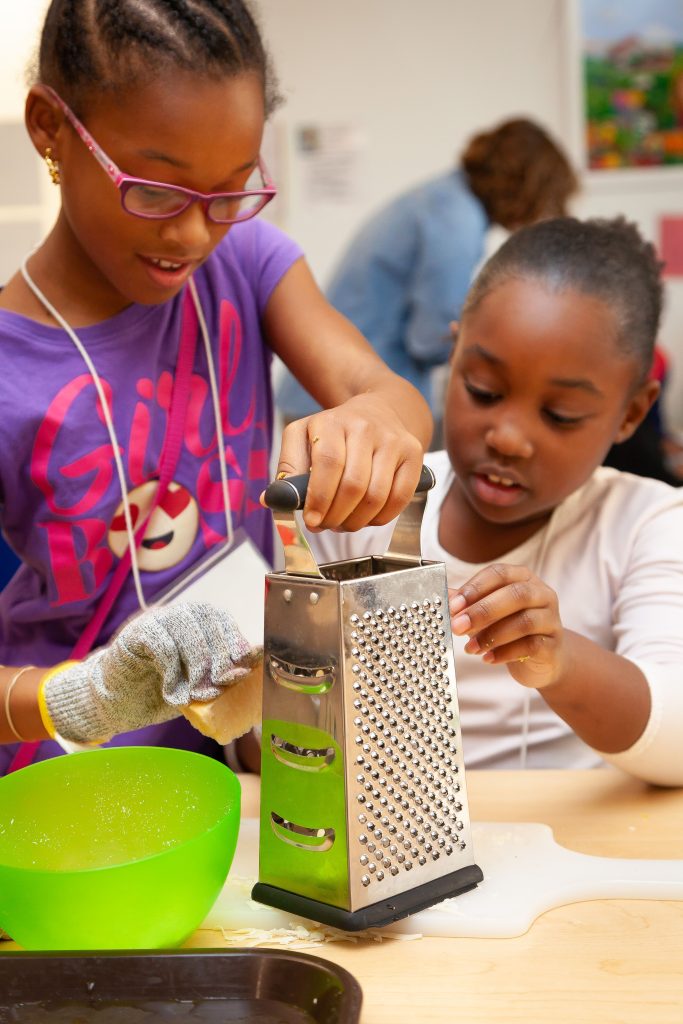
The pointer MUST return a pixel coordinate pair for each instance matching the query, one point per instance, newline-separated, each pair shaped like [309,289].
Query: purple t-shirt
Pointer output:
[60,493]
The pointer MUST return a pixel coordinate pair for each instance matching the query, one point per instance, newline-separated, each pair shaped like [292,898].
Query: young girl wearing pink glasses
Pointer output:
[137,341]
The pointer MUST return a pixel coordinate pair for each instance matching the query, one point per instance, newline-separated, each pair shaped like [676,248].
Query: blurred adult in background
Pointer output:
[404,276]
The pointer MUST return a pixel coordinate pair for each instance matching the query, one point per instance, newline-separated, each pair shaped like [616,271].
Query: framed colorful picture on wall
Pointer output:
[627,65]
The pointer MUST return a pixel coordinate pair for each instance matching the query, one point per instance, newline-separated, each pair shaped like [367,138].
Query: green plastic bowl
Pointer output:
[121,848]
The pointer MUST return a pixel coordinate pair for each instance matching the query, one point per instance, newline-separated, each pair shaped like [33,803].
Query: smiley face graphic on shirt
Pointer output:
[170,532]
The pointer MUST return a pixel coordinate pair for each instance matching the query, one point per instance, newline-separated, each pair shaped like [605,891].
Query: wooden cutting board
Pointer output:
[525,873]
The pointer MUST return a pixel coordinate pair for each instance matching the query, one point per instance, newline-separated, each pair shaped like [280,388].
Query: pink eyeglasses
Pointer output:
[153,200]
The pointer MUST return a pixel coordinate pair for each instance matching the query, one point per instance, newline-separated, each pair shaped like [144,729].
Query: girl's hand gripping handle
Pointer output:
[289,493]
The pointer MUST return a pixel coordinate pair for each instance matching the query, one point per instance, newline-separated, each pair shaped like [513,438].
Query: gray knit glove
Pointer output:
[158,663]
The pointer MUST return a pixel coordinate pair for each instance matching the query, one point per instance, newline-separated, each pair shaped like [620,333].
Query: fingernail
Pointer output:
[489,657]
[313,519]
[461,624]
[456,604]
[472,646]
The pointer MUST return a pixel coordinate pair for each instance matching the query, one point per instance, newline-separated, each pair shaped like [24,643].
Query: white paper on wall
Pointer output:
[329,160]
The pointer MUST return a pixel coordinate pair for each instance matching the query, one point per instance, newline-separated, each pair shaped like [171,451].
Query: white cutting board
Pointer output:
[525,873]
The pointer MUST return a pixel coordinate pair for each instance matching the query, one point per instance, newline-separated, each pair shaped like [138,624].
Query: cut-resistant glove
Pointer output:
[159,662]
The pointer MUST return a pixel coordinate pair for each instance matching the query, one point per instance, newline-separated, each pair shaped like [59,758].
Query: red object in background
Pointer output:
[671,245]
[660,365]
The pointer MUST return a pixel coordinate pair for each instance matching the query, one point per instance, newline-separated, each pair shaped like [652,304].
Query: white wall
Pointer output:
[18,36]
[22,222]
[415,79]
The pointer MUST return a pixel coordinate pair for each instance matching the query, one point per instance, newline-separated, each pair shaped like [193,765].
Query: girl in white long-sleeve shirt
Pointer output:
[567,577]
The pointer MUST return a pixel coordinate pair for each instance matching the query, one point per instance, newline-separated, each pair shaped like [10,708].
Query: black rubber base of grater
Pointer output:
[376,914]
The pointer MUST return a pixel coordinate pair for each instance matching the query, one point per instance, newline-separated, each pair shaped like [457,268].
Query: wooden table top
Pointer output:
[603,962]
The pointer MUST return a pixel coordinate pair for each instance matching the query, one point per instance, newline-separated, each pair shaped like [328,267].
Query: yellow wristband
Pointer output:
[42,703]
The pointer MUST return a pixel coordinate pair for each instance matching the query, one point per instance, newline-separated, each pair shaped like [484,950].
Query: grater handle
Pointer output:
[283,498]
[405,545]
[289,494]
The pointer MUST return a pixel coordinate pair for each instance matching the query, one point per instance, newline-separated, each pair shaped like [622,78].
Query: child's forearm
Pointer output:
[603,697]
[20,698]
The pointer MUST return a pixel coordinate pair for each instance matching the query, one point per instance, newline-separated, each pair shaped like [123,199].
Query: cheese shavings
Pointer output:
[297,936]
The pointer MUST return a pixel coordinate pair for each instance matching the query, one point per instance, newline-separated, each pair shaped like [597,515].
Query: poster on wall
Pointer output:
[629,58]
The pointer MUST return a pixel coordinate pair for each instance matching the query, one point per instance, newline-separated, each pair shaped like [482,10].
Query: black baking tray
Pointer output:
[262,986]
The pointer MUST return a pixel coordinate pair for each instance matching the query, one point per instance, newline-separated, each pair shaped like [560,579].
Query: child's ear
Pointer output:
[637,409]
[43,120]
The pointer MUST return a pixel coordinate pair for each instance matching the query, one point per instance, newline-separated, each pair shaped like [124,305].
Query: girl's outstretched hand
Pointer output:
[513,618]
[364,463]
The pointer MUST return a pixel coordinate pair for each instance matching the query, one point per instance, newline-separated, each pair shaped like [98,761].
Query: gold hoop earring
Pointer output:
[52,167]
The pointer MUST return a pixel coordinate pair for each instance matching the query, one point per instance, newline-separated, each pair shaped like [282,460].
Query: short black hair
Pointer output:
[605,258]
[104,45]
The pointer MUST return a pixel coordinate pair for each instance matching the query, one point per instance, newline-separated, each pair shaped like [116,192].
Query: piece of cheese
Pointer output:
[233,713]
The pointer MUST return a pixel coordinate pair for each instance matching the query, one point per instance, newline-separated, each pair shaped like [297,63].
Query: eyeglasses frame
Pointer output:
[124,182]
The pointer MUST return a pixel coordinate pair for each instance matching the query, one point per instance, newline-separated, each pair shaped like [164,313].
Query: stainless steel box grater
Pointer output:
[364,814]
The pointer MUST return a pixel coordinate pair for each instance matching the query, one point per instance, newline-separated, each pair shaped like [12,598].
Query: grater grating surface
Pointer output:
[408,822]
[406,779]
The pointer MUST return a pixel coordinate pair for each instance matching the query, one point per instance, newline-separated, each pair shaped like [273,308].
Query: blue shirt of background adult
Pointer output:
[403,278]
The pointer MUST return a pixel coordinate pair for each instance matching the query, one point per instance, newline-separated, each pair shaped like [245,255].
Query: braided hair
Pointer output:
[107,45]
[604,258]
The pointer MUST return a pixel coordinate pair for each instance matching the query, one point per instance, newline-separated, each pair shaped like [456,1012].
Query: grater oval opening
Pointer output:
[315,840]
